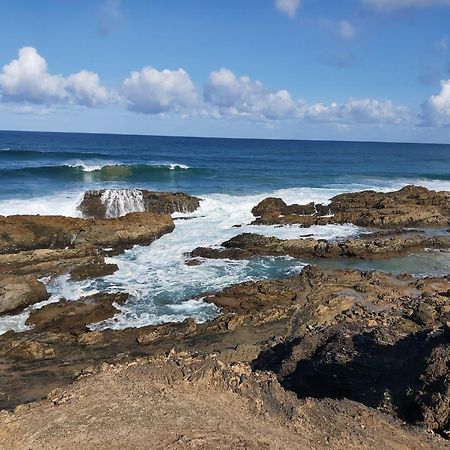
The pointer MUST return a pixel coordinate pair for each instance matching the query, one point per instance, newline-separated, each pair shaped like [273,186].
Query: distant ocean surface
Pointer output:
[47,173]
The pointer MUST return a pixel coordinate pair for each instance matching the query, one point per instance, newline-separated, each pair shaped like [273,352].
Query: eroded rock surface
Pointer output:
[250,245]
[22,233]
[38,246]
[370,337]
[18,292]
[411,206]
[184,401]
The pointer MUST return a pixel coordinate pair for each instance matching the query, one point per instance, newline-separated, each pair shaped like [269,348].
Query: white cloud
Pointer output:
[346,30]
[241,96]
[152,91]
[436,110]
[86,89]
[26,83]
[357,111]
[232,96]
[26,79]
[390,5]
[288,7]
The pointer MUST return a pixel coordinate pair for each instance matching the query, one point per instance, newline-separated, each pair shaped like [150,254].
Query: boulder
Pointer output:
[18,292]
[74,316]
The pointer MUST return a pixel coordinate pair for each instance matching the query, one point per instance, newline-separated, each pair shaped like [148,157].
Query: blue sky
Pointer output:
[301,69]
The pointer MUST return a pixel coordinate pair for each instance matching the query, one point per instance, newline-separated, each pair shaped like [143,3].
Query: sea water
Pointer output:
[48,173]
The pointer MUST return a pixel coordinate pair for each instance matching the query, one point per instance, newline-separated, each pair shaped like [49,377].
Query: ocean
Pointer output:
[47,173]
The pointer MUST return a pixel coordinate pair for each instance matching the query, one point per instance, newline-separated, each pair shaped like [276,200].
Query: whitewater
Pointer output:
[48,174]
[161,287]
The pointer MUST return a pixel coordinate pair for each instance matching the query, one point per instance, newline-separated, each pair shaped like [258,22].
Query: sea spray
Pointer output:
[119,202]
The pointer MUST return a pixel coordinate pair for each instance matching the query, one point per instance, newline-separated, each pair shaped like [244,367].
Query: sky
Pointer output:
[376,70]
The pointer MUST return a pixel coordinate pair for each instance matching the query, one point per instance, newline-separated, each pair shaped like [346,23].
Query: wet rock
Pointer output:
[250,245]
[22,233]
[92,270]
[411,206]
[74,316]
[100,204]
[18,292]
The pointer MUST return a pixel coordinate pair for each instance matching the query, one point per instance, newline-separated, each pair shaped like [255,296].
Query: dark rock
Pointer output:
[100,204]
[411,206]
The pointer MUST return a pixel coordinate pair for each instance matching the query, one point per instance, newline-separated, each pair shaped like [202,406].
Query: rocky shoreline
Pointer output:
[369,352]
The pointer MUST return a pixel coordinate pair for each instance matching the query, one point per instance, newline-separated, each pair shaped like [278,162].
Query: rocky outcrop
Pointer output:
[18,292]
[249,245]
[180,401]
[38,246]
[22,233]
[109,203]
[370,337]
[74,316]
[411,206]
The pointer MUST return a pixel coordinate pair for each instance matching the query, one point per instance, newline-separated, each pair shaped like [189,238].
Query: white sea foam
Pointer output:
[58,288]
[160,284]
[173,166]
[119,202]
[91,166]
[63,203]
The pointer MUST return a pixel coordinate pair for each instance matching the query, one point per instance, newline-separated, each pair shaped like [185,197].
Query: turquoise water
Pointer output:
[47,173]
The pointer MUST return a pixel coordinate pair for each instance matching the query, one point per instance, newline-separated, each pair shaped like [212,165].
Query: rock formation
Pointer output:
[110,203]
[411,206]
[249,245]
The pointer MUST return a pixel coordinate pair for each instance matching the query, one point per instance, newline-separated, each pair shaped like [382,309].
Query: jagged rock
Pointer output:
[74,316]
[411,206]
[250,245]
[92,270]
[107,203]
[18,292]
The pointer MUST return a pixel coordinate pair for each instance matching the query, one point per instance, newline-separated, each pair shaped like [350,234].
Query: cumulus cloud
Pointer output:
[27,79]
[390,5]
[288,7]
[241,96]
[153,91]
[436,110]
[26,83]
[231,96]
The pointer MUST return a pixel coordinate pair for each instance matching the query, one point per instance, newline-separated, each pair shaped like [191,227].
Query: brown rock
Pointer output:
[411,206]
[18,292]
[21,233]
[249,245]
[74,316]
[31,350]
